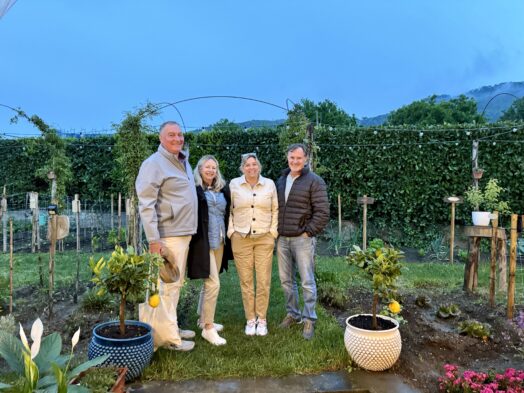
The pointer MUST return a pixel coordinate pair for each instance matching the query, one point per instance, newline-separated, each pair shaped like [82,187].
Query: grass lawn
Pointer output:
[281,352]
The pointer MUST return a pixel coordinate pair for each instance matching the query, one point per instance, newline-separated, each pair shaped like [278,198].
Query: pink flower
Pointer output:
[487,390]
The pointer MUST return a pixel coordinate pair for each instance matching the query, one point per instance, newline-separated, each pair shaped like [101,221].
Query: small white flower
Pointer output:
[36,335]
[75,338]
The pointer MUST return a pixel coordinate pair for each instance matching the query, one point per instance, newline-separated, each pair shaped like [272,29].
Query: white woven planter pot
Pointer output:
[374,350]
[481,218]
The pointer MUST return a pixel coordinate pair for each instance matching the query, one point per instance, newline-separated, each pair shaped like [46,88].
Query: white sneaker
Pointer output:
[186,333]
[218,327]
[251,327]
[212,336]
[184,346]
[261,327]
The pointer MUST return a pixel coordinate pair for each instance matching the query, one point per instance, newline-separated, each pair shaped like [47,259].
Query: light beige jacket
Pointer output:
[254,211]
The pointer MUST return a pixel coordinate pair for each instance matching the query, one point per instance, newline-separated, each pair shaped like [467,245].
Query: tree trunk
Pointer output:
[122,315]
[375,304]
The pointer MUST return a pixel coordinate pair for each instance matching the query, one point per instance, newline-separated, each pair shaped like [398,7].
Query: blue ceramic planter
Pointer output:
[134,353]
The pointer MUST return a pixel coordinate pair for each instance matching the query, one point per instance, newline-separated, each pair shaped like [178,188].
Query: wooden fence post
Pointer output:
[512,266]
[493,260]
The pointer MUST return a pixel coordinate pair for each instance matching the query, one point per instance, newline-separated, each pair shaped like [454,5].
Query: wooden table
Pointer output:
[475,233]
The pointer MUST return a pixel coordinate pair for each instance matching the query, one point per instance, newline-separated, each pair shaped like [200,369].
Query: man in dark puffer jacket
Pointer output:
[303,214]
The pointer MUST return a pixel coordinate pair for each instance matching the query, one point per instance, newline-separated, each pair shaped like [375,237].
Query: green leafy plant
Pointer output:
[463,255]
[437,248]
[41,365]
[331,289]
[446,311]
[475,329]
[7,324]
[125,274]
[116,237]
[381,265]
[488,199]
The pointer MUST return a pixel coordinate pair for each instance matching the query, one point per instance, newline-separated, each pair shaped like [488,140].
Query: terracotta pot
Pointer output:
[374,350]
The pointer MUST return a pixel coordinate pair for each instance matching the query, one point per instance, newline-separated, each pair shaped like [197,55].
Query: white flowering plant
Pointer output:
[40,365]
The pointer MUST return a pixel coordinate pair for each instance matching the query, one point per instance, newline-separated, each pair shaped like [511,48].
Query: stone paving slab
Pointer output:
[329,382]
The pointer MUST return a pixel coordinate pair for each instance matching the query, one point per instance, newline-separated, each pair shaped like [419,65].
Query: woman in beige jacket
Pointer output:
[253,222]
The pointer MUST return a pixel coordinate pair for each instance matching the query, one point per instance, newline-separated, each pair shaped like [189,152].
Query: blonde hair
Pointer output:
[218,181]
[246,157]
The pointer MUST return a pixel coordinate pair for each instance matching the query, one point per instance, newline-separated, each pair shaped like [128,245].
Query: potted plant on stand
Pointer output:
[373,341]
[484,202]
[129,343]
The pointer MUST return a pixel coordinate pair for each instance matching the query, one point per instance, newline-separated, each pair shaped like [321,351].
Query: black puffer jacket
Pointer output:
[307,207]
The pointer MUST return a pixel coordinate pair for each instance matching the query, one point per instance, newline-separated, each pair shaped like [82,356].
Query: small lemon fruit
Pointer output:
[154,300]
[394,307]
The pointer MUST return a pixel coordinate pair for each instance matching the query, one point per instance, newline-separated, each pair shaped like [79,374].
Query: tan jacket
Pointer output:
[254,210]
[167,198]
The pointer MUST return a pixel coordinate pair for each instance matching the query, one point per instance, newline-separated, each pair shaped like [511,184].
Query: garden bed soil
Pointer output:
[429,342]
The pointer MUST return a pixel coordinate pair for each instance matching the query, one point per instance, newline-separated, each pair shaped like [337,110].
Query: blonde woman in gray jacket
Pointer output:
[168,210]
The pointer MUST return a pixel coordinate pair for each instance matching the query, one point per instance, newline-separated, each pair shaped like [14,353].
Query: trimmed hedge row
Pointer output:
[407,170]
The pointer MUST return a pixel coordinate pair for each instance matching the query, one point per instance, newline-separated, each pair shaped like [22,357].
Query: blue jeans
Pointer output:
[298,254]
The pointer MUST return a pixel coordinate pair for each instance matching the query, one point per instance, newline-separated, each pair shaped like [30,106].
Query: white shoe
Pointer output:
[218,327]
[184,346]
[251,327]
[186,333]
[261,327]
[212,336]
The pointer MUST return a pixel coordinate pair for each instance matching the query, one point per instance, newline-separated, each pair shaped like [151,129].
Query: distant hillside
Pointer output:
[261,123]
[482,95]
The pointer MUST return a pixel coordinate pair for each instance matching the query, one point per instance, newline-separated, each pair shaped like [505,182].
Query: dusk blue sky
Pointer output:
[80,65]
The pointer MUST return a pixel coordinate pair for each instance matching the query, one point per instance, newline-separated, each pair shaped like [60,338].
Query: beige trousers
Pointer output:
[209,293]
[254,255]
[179,247]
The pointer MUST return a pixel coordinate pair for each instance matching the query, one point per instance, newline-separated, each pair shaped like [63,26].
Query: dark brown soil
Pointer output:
[429,342]
[113,331]
[366,322]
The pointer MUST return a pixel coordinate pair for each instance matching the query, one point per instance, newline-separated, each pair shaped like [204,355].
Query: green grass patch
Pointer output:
[27,269]
[281,352]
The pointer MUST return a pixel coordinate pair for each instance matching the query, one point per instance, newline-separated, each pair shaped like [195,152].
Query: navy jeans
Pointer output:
[298,254]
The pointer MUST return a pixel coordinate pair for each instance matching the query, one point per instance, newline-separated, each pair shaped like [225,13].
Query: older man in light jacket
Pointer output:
[168,210]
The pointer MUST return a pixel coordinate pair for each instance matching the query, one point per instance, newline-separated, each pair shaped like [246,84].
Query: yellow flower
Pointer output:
[154,300]
[394,307]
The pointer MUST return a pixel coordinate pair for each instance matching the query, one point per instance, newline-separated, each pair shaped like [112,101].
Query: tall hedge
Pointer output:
[407,170]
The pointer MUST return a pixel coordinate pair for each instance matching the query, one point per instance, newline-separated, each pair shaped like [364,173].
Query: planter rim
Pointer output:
[370,330]
[128,323]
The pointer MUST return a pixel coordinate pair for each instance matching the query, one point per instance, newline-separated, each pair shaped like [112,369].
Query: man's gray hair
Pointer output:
[296,146]
[168,123]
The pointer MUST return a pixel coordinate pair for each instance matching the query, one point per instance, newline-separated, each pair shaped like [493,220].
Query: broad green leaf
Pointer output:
[11,349]
[87,365]
[49,352]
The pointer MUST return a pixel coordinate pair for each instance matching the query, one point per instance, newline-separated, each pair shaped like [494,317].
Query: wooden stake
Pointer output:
[10,266]
[453,200]
[365,201]
[76,209]
[339,218]
[112,213]
[493,260]
[3,207]
[512,266]
[119,213]
[52,250]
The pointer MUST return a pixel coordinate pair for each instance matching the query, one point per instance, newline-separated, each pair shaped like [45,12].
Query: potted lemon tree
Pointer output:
[373,341]
[129,343]
[484,202]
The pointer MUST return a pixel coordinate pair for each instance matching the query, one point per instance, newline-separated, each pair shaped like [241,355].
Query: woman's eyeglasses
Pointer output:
[248,155]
